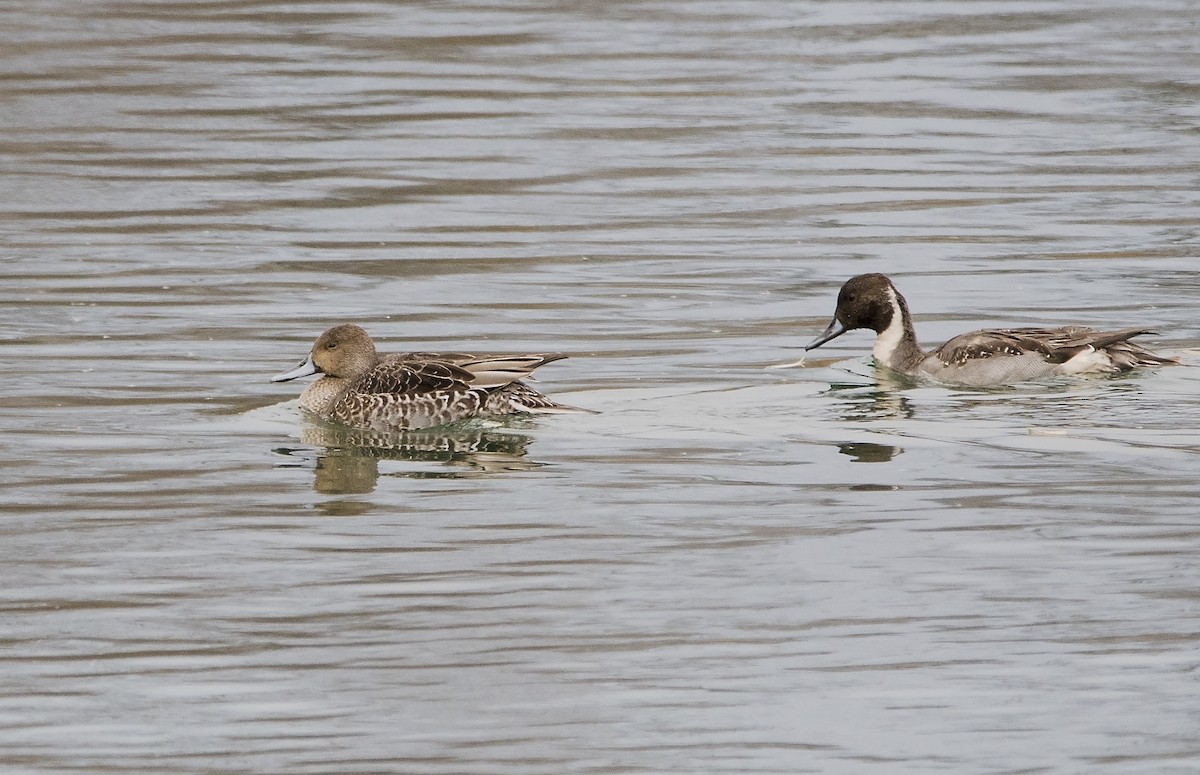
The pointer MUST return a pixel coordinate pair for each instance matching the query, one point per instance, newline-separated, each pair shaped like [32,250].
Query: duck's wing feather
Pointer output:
[401,377]
[1055,345]
[487,370]
[447,357]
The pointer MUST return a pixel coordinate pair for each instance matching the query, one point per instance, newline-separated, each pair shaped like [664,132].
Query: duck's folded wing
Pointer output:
[1050,343]
[490,371]
[445,357]
[487,370]
[1056,345]
[395,376]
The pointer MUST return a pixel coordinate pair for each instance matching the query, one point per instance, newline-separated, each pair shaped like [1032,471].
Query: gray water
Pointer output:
[731,568]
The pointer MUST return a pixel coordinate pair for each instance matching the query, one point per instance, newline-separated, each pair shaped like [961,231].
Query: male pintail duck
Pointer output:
[980,358]
[401,391]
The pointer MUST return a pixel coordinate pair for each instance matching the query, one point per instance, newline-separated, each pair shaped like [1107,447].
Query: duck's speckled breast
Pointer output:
[320,396]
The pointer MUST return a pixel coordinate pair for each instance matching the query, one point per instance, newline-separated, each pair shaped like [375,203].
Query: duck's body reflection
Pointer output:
[348,461]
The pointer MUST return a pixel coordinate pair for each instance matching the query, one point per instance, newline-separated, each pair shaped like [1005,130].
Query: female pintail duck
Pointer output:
[400,391]
[980,358]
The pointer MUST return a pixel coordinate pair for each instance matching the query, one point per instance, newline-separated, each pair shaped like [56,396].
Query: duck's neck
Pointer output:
[896,346]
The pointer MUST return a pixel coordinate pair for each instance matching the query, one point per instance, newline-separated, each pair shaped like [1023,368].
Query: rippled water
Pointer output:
[731,569]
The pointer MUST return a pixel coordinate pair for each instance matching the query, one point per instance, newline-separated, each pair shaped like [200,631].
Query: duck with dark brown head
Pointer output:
[980,358]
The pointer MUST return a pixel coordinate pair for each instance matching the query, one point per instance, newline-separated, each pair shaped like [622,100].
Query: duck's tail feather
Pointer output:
[499,370]
[1125,354]
[554,408]
[519,397]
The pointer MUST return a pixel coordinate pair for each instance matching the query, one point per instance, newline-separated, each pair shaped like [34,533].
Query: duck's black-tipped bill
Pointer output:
[834,330]
[303,370]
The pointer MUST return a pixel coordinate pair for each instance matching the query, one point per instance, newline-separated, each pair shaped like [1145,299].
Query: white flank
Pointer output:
[889,339]
[1089,361]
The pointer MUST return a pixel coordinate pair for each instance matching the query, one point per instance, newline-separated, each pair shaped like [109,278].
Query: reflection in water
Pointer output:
[340,507]
[866,452]
[345,474]
[882,401]
[349,463]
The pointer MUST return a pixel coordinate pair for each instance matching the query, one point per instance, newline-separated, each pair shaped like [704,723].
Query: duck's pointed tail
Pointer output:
[550,407]
[1125,354]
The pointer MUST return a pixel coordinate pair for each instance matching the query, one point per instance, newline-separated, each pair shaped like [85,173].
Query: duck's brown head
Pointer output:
[344,351]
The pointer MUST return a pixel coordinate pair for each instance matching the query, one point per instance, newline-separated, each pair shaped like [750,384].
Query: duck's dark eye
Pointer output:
[331,346]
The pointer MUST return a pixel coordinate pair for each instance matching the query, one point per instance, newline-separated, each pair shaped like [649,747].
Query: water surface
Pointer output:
[730,569]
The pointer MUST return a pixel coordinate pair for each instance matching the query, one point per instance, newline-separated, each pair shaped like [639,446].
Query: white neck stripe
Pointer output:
[889,339]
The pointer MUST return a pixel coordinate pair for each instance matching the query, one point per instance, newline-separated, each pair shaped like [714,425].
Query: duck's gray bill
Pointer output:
[834,330]
[303,370]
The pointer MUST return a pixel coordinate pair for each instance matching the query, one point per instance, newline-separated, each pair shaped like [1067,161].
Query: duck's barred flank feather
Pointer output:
[403,411]
[401,391]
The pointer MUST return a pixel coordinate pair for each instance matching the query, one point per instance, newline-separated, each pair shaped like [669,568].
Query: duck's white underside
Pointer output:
[1090,361]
